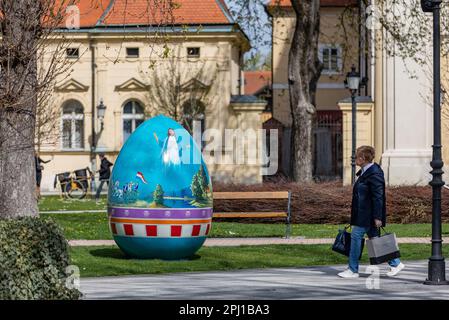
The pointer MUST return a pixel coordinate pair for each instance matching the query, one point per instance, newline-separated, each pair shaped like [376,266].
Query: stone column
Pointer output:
[364,127]
[408,126]
[378,94]
[248,118]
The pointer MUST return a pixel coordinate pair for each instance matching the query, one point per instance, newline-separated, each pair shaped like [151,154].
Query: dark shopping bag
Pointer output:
[383,248]
[342,243]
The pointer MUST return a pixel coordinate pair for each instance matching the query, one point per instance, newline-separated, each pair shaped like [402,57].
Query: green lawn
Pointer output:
[110,261]
[95,226]
[55,203]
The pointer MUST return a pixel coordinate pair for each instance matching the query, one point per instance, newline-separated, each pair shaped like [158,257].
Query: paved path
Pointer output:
[279,283]
[230,242]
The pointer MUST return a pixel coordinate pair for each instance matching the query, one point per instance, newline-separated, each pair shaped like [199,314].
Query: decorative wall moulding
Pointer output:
[194,84]
[72,86]
[132,85]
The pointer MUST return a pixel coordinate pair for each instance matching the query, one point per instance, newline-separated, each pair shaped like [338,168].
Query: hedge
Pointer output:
[330,202]
[33,257]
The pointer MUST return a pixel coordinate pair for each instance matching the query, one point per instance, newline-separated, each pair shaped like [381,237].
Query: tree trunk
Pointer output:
[304,69]
[20,29]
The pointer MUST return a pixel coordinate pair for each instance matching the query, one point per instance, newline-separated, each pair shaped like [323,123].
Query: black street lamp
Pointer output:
[353,82]
[437,272]
[101,110]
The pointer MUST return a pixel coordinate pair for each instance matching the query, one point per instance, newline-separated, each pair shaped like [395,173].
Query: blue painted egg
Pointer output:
[160,193]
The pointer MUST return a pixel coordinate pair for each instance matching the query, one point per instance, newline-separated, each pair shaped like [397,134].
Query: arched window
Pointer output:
[72,125]
[133,116]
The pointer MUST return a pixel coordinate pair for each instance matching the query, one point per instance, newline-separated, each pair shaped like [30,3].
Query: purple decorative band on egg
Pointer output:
[172,213]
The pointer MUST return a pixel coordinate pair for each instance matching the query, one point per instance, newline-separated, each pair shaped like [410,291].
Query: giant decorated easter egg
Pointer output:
[160,193]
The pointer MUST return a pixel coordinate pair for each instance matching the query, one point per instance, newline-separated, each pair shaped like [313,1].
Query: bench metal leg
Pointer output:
[288,229]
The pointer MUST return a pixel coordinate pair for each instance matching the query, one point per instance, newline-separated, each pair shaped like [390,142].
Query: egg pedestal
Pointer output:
[160,193]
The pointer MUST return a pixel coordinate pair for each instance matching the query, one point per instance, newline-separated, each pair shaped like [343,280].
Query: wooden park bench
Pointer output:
[256,195]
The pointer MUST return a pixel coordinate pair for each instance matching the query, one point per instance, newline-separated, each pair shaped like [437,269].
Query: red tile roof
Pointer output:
[256,80]
[145,12]
[323,3]
[91,11]
[149,12]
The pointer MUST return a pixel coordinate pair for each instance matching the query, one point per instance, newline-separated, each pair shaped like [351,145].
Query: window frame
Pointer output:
[133,116]
[195,56]
[130,55]
[71,56]
[73,117]
[329,46]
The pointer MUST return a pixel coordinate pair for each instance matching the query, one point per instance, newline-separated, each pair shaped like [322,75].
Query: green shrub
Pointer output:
[33,259]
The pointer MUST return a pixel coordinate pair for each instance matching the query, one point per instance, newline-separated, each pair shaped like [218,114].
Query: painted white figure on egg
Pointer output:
[170,148]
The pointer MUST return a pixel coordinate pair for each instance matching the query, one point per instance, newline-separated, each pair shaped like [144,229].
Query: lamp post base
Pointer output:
[437,273]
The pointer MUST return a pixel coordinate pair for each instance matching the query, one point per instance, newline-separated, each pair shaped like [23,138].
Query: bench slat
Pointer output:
[251,195]
[249,214]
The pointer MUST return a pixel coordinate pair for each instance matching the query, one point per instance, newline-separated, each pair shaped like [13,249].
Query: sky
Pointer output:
[255,24]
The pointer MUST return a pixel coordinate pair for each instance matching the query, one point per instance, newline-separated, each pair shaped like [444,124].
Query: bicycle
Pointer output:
[73,184]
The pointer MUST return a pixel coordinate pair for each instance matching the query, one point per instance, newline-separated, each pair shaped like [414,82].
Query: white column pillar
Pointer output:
[407,123]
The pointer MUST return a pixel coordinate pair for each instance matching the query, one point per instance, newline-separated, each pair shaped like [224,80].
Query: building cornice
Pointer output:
[201,32]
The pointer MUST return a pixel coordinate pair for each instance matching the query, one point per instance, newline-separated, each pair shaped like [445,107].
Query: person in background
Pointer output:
[368,212]
[39,168]
[105,174]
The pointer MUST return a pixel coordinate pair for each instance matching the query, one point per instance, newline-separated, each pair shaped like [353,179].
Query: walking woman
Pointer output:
[368,212]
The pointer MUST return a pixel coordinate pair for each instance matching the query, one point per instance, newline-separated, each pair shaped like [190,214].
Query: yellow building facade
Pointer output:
[116,65]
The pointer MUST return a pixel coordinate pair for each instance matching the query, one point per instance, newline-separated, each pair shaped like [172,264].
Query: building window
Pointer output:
[72,125]
[330,56]
[132,52]
[72,53]
[133,116]
[193,52]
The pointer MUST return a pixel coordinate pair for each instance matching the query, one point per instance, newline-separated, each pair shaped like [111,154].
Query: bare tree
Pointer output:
[257,61]
[181,89]
[47,121]
[304,70]
[24,26]
[26,29]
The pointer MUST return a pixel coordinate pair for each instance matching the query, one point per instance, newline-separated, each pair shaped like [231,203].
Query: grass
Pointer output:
[88,226]
[110,261]
[93,226]
[55,203]
[233,229]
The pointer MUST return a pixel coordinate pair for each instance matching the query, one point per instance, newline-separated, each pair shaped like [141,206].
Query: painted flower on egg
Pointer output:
[160,193]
